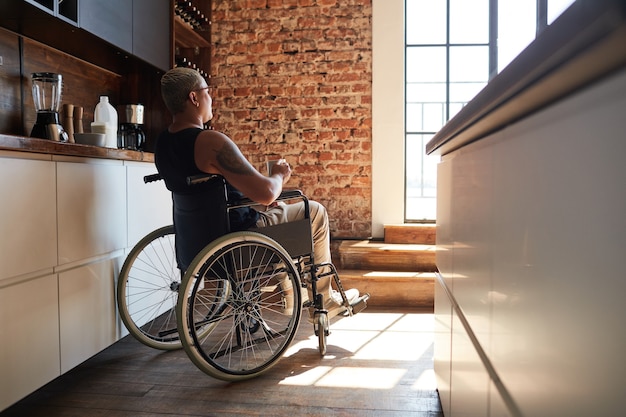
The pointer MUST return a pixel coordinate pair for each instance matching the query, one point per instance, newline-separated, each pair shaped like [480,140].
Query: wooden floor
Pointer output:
[379,364]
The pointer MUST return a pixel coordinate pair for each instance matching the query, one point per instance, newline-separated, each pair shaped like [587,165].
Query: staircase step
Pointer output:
[392,289]
[411,233]
[374,255]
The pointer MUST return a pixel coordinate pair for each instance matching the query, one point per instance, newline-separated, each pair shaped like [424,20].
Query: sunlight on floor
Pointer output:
[364,378]
[372,351]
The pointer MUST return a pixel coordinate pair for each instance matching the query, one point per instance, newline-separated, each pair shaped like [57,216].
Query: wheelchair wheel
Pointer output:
[322,331]
[147,290]
[243,332]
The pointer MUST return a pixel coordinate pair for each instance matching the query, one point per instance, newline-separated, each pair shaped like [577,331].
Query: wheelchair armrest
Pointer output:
[200,178]
[191,180]
[246,202]
[285,195]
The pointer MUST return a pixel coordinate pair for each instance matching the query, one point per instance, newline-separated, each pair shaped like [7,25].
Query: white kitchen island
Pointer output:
[531,230]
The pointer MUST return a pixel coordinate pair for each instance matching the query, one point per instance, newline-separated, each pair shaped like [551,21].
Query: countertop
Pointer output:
[585,44]
[33,145]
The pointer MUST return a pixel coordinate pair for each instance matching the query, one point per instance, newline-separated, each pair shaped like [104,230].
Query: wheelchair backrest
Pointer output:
[199,218]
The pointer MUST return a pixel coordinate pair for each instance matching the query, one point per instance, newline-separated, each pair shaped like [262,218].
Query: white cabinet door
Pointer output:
[443,345]
[469,380]
[29,333]
[27,215]
[149,205]
[87,311]
[92,208]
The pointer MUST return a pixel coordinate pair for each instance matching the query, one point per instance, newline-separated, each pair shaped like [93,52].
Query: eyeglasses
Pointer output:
[208,88]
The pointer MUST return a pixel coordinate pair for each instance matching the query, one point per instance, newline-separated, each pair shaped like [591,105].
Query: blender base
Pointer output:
[47,126]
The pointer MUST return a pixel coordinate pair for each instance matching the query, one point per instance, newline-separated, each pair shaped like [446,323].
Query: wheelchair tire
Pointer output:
[322,332]
[241,333]
[147,290]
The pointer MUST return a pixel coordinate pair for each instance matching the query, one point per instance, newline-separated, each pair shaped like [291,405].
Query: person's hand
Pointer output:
[282,168]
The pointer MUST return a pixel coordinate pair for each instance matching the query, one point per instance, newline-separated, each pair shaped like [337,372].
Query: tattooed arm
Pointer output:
[216,153]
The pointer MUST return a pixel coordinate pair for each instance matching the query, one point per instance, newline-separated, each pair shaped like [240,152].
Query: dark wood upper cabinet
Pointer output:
[139,27]
[110,20]
[152,32]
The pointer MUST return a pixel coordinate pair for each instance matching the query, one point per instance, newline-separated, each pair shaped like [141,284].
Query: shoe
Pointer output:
[351,294]
[334,304]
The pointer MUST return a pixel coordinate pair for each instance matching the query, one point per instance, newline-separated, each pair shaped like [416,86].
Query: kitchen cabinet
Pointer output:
[64,9]
[27,214]
[443,343]
[149,205]
[92,207]
[101,32]
[68,224]
[87,310]
[152,35]
[530,225]
[140,27]
[111,20]
[29,326]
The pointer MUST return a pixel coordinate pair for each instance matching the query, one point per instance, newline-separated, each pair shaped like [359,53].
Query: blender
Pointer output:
[47,98]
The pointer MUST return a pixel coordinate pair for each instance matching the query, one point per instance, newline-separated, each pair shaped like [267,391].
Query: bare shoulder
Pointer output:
[214,141]
[218,150]
[213,137]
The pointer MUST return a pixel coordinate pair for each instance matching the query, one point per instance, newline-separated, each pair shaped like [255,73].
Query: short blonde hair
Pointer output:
[176,84]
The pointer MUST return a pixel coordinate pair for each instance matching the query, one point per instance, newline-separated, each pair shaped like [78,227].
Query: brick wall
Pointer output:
[294,80]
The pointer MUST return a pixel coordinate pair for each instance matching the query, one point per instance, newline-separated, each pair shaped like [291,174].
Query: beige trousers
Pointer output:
[284,213]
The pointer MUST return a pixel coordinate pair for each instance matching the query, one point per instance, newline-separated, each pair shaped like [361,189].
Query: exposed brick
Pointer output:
[294,80]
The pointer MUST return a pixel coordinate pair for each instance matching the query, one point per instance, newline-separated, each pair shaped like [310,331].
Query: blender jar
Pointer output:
[46,91]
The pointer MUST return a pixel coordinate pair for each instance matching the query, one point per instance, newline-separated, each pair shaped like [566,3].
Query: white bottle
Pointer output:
[106,114]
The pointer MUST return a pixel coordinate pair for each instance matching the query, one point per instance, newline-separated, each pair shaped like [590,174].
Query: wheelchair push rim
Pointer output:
[239,306]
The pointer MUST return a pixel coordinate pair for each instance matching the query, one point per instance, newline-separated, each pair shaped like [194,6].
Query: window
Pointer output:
[452,49]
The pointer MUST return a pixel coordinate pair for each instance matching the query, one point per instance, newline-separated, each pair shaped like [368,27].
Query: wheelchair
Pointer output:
[237,306]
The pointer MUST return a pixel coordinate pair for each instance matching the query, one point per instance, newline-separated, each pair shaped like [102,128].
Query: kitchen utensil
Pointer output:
[46,89]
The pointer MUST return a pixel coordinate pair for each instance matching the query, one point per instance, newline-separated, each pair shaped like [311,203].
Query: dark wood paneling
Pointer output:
[10,94]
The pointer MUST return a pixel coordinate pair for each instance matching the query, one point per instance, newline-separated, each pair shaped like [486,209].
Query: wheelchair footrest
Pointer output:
[360,304]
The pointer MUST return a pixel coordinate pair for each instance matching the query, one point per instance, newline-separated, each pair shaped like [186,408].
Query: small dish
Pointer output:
[93,139]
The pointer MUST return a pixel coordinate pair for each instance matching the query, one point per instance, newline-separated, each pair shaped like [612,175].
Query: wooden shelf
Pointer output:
[186,37]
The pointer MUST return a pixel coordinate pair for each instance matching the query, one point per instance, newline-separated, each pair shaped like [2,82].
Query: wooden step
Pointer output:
[373,255]
[392,289]
[410,233]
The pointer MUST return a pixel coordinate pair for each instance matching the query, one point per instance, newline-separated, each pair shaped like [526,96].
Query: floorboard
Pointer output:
[379,363]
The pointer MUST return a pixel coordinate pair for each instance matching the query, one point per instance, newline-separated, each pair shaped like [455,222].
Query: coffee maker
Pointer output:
[130,135]
[46,87]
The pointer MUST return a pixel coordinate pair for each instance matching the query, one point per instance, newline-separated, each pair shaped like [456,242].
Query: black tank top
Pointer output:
[198,209]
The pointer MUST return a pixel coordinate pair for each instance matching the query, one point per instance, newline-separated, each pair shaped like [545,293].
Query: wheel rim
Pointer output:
[250,330]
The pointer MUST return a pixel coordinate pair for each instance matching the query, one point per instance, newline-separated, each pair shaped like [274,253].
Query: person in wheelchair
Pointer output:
[186,149]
